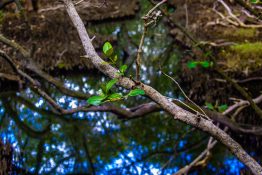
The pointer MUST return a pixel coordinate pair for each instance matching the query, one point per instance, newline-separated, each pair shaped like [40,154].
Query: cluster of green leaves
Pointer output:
[106,94]
[108,50]
[204,64]
[220,108]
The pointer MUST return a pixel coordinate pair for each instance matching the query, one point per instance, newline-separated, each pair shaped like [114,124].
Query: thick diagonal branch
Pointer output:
[167,105]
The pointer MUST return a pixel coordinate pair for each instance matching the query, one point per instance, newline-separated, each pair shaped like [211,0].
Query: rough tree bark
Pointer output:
[177,112]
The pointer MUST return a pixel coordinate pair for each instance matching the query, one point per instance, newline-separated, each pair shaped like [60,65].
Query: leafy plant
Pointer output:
[204,64]
[220,108]
[136,92]
[106,94]
[110,84]
[108,50]
[209,106]
[96,100]
[122,69]
[192,64]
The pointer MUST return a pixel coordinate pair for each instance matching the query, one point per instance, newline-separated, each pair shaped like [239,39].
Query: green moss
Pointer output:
[249,33]
[244,56]
[241,33]
[248,49]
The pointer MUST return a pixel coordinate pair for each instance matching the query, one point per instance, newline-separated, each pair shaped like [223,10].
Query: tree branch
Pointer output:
[169,106]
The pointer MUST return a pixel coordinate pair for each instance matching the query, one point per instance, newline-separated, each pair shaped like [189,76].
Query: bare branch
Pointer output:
[149,18]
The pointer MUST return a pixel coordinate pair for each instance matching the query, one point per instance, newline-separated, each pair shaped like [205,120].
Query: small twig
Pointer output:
[216,44]
[186,10]
[139,54]
[242,103]
[250,79]
[93,38]
[155,7]
[51,8]
[149,19]
[184,94]
[79,2]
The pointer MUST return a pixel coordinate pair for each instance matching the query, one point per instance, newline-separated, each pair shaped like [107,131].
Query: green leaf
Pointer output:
[209,106]
[115,96]
[123,68]
[110,84]
[103,88]
[108,49]
[136,92]
[96,100]
[205,64]
[222,108]
[191,64]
